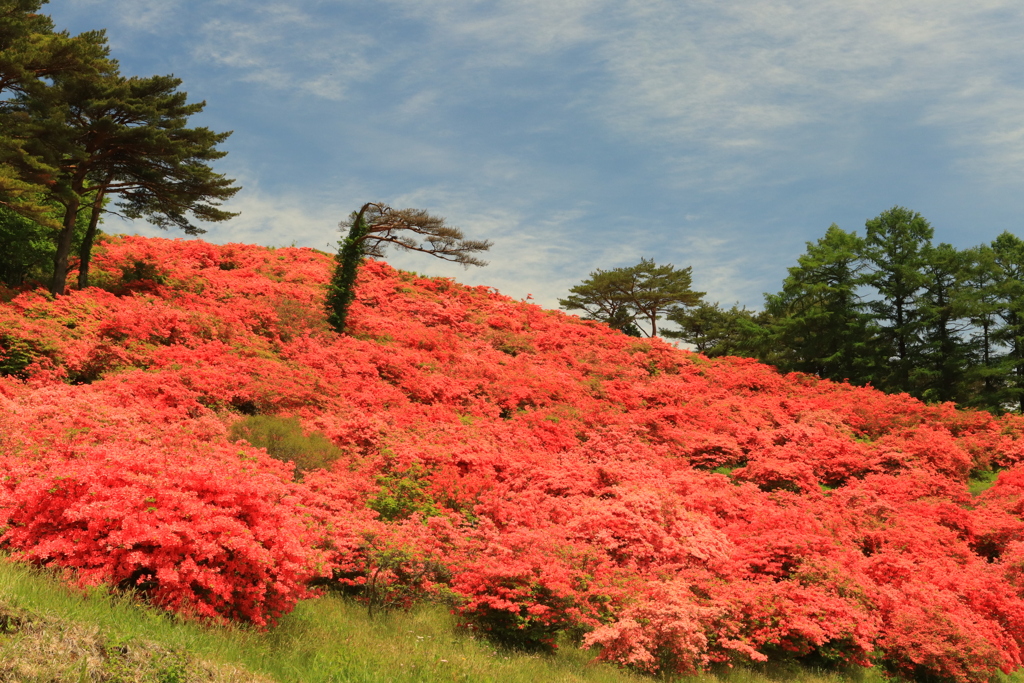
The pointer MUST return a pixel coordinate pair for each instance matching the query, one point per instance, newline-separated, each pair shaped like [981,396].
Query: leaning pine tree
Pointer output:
[375,226]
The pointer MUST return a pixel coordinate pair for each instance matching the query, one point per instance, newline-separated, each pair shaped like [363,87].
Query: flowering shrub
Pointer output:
[520,587]
[213,531]
[665,630]
[543,473]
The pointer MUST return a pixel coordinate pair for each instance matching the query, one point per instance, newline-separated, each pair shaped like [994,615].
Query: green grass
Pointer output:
[56,634]
[982,481]
[285,440]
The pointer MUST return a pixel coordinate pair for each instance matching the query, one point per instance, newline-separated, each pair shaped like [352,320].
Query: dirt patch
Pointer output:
[41,648]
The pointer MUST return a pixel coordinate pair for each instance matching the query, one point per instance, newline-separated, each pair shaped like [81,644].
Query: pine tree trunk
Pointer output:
[64,239]
[85,251]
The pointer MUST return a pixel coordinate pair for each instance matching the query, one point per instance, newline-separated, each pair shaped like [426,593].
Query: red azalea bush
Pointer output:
[189,535]
[212,529]
[664,630]
[543,473]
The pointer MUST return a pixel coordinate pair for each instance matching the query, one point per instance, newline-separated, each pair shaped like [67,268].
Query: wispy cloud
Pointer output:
[750,79]
[530,253]
[286,48]
[753,76]
[149,16]
[544,253]
[513,32]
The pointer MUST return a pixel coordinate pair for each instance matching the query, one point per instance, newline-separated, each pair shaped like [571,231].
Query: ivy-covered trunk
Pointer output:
[341,291]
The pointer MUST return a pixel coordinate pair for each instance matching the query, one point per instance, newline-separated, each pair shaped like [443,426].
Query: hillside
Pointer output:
[543,474]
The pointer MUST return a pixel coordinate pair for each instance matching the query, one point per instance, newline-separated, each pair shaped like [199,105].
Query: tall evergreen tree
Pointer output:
[32,54]
[30,49]
[819,322]
[1008,252]
[944,305]
[894,248]
[986,374]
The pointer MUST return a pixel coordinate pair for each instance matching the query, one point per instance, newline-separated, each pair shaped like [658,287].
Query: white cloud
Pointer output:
[538,255]
[513,31]
[286,48]
[528,252]
[544,254]
[148,16]
[762,74]
[277,219]
[738,75]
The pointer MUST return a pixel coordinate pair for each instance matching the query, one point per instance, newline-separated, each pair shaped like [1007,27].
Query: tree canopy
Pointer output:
[76,133]
[820,321]
[715,331]
[633,298]
[31,55]
[890,309]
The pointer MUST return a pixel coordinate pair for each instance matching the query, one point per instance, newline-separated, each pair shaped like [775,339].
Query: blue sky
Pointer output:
[583,134]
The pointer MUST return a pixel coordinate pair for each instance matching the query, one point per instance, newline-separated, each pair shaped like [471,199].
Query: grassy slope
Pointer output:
[48,633]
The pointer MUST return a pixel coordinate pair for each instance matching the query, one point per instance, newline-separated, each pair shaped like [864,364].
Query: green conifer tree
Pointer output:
[894,248]
[32,54]
[1008,252]
[633,297]
[986,374]
[945,309]
[107,137]
[819,322]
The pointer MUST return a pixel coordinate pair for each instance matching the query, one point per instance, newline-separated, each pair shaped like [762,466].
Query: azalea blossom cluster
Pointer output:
[542,473]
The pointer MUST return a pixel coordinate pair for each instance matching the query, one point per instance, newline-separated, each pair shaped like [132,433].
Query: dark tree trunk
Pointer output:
[67,234]
[85,251]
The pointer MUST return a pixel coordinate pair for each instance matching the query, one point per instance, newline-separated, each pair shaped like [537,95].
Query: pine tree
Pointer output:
[636,296]
[715,331]
[375,226]
[32,54]
[1008,252]
[987,372]
[819,320]
[945,314]
[108,136]
[894,250]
